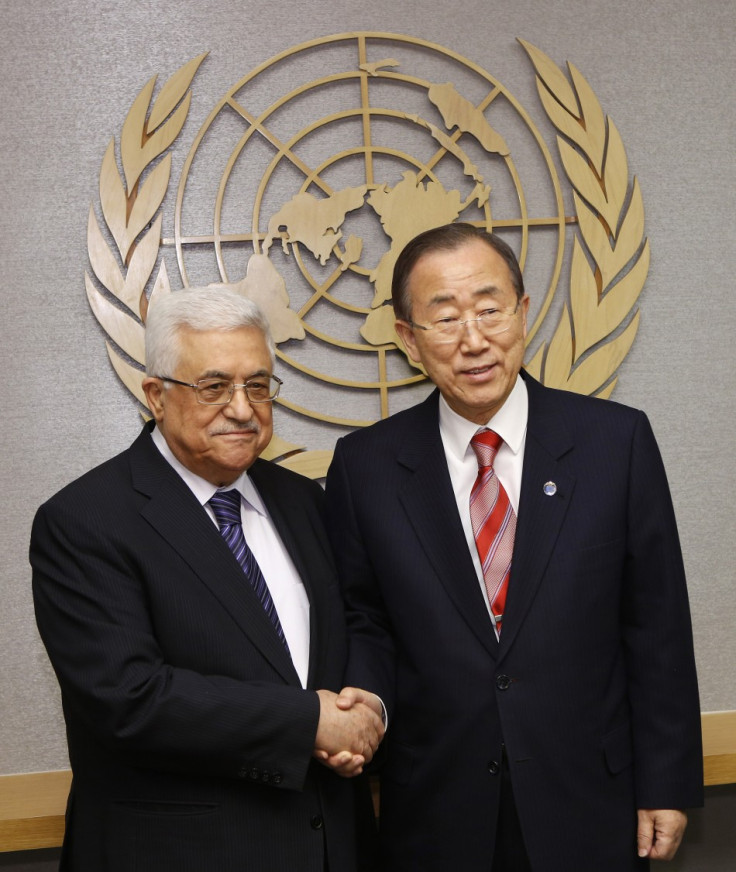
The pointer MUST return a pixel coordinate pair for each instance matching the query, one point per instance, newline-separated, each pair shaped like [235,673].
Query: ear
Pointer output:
[524,312]
[153,388]
[406,335]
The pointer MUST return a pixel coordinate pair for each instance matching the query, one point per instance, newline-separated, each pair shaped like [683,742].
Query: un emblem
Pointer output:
[319,166]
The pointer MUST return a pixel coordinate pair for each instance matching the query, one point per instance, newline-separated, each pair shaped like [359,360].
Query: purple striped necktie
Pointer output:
[226,506]
[494,523]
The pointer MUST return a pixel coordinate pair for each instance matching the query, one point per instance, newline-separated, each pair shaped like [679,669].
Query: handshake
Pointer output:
[350,729]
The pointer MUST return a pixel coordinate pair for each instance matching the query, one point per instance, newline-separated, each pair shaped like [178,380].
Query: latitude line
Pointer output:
[282,149]
[233,238]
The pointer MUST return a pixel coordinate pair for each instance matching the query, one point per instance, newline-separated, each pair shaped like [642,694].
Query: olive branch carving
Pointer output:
[610,258]
[124,259]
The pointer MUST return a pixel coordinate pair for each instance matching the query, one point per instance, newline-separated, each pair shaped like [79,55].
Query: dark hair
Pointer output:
[446,238]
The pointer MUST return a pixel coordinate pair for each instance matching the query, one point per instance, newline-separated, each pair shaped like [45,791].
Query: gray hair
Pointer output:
[196,309]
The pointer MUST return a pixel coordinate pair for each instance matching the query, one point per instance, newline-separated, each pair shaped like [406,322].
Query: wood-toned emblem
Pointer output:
[308,213]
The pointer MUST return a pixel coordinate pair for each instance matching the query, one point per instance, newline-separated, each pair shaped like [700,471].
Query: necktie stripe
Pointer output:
[494,523]
[226,507]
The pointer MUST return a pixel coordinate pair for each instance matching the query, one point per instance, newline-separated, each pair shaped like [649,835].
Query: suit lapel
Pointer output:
[173,511]
[540,514]
[430,504]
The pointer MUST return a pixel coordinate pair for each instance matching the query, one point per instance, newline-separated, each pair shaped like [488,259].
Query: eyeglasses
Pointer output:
[490,322]
[219,391]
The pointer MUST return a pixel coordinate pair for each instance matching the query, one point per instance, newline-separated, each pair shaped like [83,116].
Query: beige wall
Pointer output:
[662,69]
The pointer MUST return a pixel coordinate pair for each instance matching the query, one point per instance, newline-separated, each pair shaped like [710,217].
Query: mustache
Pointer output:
[237,427]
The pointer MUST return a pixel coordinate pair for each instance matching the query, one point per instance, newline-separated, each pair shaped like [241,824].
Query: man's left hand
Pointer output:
[660,832]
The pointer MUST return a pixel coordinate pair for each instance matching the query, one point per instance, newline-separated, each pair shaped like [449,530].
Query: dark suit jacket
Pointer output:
[592,687]
[190,737]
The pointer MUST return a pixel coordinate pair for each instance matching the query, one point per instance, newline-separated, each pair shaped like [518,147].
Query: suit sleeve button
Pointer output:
[494,768]
[503,682]
[254,774]
[316,822]
[277,778]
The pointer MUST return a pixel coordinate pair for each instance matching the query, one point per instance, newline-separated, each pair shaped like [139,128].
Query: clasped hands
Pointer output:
[350,730]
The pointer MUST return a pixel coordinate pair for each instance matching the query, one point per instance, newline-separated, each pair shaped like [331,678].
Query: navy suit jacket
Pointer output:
[592,688]
[190,736]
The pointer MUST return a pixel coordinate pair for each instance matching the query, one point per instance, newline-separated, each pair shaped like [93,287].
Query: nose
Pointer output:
[239,406]
[472,338]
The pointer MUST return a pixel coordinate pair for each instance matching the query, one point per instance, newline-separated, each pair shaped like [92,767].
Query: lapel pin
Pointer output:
[550,489]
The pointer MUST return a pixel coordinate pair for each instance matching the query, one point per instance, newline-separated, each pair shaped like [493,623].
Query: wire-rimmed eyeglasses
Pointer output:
[490,322]
[219,391]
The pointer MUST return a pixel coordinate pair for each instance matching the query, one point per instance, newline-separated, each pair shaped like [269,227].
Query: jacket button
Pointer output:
[494,768]
[276,778]
[503,682]
[265,776]
[254,774]
[316,822]
[243,773]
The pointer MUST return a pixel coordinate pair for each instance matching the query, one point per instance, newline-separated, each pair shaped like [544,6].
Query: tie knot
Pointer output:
[226,506]
[485,444]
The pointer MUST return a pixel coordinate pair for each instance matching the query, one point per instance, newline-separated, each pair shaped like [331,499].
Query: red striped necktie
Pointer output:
[494,523]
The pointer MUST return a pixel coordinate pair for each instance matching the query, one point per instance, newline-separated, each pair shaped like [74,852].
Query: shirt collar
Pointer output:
[200,487]
[509,422]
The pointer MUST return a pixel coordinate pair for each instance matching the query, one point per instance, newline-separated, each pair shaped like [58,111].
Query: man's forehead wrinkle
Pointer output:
[216,373]
[451,296]
[221,373]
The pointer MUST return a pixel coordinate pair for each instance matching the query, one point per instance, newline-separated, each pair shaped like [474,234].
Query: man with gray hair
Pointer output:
[187,598]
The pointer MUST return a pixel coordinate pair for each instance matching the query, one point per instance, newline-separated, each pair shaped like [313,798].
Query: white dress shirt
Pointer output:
[286,587]
[510,423]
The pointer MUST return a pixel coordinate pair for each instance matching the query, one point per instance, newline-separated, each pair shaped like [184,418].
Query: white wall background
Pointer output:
[662,69]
